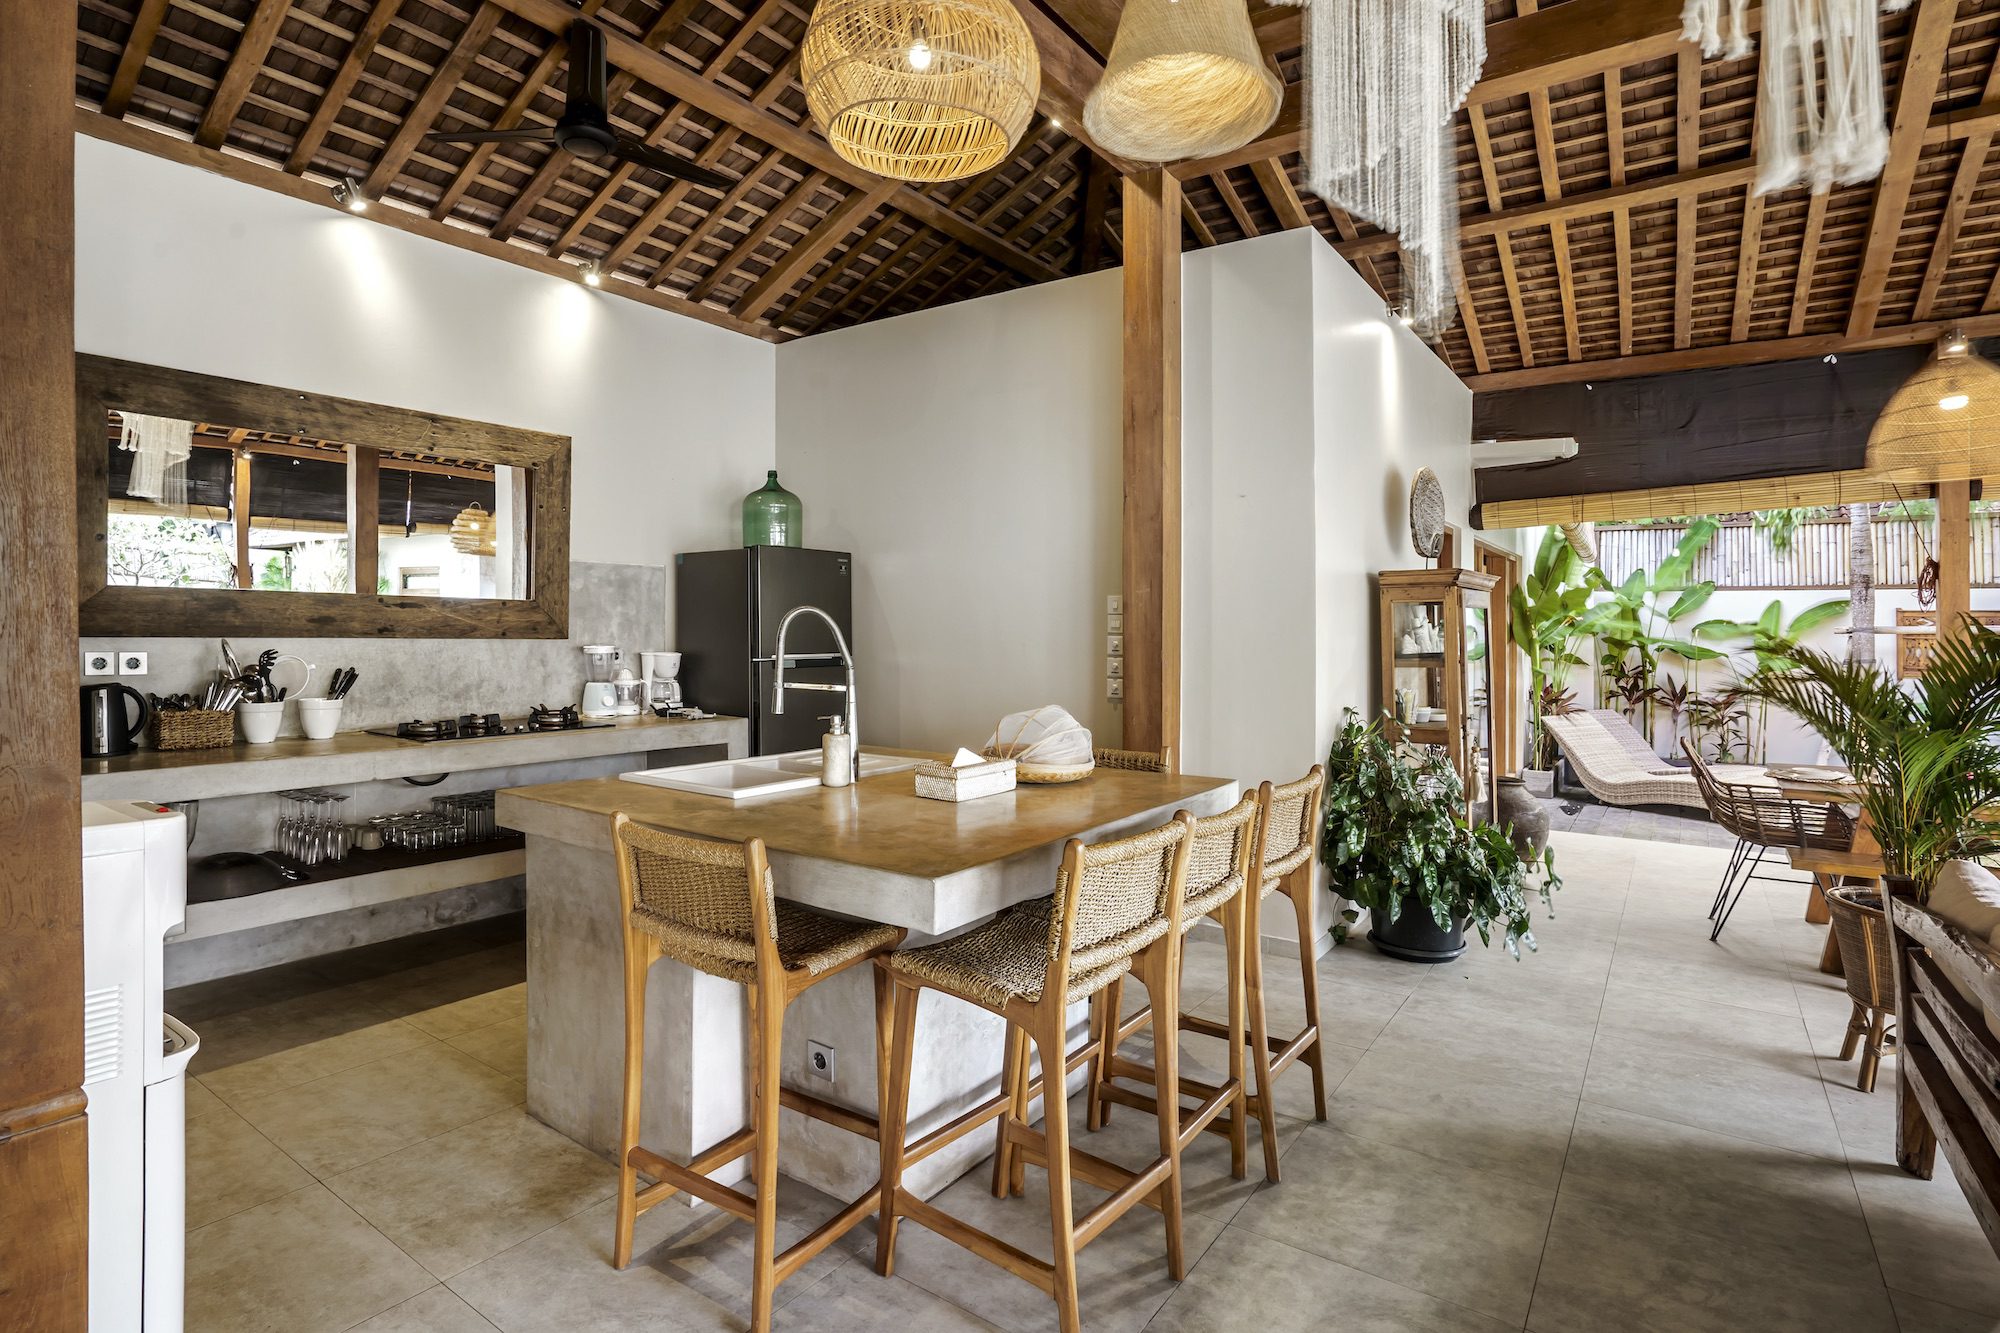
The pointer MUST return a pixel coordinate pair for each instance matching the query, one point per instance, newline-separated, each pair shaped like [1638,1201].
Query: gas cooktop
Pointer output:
[473,726]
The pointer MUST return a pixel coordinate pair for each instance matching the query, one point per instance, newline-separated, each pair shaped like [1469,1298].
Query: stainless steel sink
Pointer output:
[766,775]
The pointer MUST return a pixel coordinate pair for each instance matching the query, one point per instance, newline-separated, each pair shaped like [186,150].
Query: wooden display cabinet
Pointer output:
[1436,627]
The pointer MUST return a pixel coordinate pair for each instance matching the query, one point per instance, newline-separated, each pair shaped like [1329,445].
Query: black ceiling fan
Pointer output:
[584,127]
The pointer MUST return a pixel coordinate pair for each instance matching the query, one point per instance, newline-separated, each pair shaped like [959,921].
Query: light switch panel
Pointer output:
[1114,667]
[1114,605]
[1114,688]
[1114,624]
[1114,645]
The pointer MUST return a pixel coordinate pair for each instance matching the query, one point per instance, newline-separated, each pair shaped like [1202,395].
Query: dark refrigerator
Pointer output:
[728,605]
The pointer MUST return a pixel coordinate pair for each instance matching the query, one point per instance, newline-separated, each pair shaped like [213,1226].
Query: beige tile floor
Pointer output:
[1632,1130]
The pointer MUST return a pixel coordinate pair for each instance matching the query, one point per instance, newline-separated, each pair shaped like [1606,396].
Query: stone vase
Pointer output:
[1523,815]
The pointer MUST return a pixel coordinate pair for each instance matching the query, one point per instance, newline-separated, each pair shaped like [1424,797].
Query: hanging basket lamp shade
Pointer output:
[920,90]
[1185,79]
[472,531]
[1944,423]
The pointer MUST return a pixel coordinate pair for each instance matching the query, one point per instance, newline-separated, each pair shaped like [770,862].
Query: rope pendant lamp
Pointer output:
[920,90]
[1185,79]
[1944,423]
[472,532]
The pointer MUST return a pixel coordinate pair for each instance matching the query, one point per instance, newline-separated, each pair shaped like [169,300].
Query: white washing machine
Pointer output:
[135,1061]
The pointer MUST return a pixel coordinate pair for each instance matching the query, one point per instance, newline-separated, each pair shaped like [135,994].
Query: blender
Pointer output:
[600,693]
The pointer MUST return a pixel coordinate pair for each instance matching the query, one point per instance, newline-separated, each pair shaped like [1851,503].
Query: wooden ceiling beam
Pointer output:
[669,199]
[780,213]
[1233,202]
[1687,159]
[1621,228]
[1734,354]
[910,280]
[1468,315]
[1069,71]
[677,80]
[342,84]
[1034,216]
[1750,240]
[1029,179]
[1543,124]
[1808,260]
[1512,280]
[132,60]
[252,45]
[716,216]
[798,261]
[424,112]
[1280,193]
[1971,160]
[1201,230]
[1344,228]
[854,293]
[249,172]
[1923,61]
[845,260]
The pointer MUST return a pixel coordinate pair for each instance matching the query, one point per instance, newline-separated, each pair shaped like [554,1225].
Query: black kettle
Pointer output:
[106,730]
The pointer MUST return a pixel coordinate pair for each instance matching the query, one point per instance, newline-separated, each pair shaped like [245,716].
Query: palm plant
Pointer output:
[1926,760]
[1546,620]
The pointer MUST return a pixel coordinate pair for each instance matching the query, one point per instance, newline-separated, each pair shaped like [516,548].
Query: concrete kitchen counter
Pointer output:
[356,756]
[875,851]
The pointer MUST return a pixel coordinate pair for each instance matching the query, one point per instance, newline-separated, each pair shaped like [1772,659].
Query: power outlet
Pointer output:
[1114,688]
[100,662]
[819,1060]
[131,664]
[1114,667]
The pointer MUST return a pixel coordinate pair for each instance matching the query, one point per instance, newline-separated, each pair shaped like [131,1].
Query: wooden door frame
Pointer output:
[44,1181]
[1509,704]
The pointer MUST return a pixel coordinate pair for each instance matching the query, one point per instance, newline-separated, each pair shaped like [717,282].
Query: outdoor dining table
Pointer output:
[1862,859]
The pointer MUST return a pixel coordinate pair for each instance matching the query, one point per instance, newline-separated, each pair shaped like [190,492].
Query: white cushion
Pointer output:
[1967,895]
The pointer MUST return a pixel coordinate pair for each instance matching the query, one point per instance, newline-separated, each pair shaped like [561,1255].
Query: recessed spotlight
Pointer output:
[593,273]
[1401,313]
[347,193]
[1055,122]
[1831,359]
[1589,388]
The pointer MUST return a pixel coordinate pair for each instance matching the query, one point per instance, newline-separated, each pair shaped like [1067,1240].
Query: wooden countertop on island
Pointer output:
[876,849]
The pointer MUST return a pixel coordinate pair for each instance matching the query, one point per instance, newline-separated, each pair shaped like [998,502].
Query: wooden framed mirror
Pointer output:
[209,506]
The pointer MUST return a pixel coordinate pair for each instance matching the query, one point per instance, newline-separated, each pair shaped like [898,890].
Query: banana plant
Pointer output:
[1548,624]
[1772,642]
[1634,625]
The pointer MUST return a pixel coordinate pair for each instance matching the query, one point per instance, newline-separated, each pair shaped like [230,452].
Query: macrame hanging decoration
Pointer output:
[1820,113]
[1383,80]
[159,447]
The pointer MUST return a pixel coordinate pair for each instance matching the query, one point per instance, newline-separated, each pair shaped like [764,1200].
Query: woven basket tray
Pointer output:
[194,729]
[1048,773]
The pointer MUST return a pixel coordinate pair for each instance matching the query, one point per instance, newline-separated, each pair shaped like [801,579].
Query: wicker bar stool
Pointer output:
[1281,861]
[1218,872]
[1762,822]
[693,900]
[1030,964]
[1864,954]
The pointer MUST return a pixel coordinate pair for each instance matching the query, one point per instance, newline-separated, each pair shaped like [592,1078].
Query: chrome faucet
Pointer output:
[779,686]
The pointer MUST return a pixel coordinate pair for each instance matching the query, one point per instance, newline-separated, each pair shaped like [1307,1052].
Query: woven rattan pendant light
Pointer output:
[920,90]
[1185,79]
[472,531]
[1944,423]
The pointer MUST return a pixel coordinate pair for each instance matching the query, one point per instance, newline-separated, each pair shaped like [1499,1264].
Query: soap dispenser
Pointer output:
[836,750]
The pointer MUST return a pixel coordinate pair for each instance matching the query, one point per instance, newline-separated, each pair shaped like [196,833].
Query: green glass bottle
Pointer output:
[772,516]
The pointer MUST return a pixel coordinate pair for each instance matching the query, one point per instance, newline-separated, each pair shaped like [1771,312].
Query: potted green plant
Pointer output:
[1925,758]
[1393,841]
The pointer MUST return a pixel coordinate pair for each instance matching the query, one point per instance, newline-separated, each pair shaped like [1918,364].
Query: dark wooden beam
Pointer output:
[245,62]
[44,1174]
[795,308]
[798,261]
[364,516]
[341,85]
[132,61]
[1152,463]
[423,114]
[781,211]
[1923,61]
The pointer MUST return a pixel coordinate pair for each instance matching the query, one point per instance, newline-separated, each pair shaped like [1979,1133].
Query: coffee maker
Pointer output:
[660,670]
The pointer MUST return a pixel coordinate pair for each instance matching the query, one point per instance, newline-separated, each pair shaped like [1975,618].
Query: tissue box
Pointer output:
[942,782]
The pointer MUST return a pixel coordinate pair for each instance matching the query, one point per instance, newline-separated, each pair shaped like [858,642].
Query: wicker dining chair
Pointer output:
[1029,965]
[1132,761]
[713,906]
[1863,932]
[1762,822]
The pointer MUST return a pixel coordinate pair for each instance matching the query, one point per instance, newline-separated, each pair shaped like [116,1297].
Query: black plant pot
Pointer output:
[1414,936]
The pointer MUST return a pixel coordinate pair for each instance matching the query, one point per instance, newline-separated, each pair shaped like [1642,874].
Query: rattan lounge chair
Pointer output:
[1619,767]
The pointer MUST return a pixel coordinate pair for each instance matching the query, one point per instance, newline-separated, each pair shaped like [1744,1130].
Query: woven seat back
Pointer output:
[1130,761]
[1291,817]
[693,894]
[1123,896]
[1863,933]
[1221,852]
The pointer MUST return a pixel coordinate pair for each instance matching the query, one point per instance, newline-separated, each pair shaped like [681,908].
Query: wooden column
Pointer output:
[1152,548]
[364,516]
[239,517]
[43,1186]
[1954,555]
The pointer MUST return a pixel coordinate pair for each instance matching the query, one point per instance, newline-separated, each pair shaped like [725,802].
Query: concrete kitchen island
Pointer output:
[874,851]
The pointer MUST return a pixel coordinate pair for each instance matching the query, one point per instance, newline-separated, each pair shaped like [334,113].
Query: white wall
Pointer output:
[671,419]
[969,457]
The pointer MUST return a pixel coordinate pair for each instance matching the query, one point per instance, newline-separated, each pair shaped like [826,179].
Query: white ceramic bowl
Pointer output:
[260,721]
[320,718]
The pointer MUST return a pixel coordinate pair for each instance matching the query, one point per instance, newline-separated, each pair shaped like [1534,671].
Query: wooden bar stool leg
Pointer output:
[1239,1114]
[767,1018]
[1857,1024]
[1260,1049]
[638,961]
[1871,1050]
[1052,1040]
[1300,892]
[894,1120]
[1013,1082]
[1110,1001]
[1159,969]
